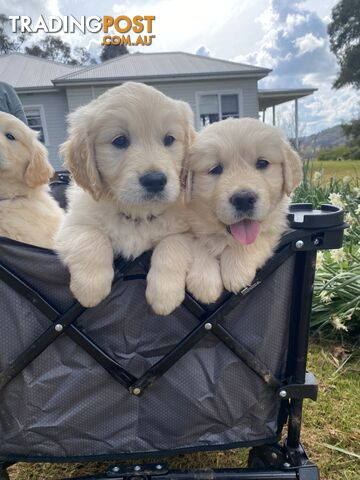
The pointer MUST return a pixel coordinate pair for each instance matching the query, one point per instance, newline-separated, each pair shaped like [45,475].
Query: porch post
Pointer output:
[273,109]
[296,124]
[264,114]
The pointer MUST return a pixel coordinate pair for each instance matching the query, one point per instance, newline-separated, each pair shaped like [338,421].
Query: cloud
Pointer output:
[295,45]
[33,8]
[308,43]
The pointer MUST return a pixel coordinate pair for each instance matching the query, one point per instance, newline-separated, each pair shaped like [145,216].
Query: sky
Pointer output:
[288,36]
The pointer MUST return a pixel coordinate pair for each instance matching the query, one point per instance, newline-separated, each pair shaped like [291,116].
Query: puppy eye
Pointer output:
[168,140]
[9,136]
[261,163]
[218,170]
[121,142]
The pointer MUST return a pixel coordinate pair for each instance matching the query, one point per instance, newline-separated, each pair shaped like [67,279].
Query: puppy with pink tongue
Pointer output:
[241,172]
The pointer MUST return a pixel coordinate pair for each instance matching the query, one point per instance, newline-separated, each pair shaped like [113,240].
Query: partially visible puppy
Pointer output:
[126,152]
[27,211]
[241,173]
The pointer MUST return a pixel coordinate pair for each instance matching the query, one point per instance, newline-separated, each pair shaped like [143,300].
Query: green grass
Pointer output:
[337,169]
[331,422]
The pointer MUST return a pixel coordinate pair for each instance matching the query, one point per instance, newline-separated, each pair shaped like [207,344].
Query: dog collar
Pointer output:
[12,198]
[138,220]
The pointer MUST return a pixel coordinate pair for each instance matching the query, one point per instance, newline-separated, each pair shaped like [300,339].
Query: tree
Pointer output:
[352,131]
[52,48]
[83,56]
[344,33]
[9,42]
[112,51]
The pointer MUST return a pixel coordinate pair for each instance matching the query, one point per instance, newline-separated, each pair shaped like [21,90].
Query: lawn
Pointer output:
[337,169]
[331,422]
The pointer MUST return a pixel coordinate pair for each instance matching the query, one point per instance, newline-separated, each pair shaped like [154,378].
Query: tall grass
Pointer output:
[336,305]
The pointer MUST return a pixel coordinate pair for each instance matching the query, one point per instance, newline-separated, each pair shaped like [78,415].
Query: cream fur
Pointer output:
[109,212]
[215,259]
[27,211]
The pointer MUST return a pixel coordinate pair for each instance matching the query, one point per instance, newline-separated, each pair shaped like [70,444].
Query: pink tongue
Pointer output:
[245,231]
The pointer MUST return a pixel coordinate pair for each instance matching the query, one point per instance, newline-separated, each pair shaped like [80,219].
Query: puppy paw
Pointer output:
[164,296]
[206,285]
[235,281]
[91,290]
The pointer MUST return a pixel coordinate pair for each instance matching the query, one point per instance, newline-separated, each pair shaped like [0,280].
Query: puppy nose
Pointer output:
[153,181]
[244,200]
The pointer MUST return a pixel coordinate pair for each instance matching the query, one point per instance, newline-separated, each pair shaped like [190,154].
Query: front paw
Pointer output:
[91,289]
[205,286]
[164,295]
[235,281]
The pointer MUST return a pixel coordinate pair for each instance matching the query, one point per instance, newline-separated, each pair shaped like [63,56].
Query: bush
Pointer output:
[336,304]
[342,152]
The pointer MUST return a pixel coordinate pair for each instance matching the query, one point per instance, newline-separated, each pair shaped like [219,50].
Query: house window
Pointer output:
[36,120]
[217,106]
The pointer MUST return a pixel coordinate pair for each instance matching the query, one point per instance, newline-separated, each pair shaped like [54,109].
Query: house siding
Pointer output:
[185,91]
[57,104]
[55,109]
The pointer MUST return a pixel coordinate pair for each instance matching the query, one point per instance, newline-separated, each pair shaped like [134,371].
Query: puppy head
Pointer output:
[241,169]
[23,159]
[130,143]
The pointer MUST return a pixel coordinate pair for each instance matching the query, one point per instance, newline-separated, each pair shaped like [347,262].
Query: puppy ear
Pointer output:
[79,158]
[293,168]
[189,186]
[186,174]
[190,134]
[39,170]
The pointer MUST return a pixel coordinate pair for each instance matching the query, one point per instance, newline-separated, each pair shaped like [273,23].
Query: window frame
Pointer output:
[238,92]
[42,118]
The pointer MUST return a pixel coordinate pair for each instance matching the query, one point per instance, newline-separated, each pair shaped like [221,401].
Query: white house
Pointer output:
[215,89]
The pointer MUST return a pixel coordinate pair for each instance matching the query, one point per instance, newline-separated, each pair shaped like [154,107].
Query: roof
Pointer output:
[26,72]
[159,66]
[270,98]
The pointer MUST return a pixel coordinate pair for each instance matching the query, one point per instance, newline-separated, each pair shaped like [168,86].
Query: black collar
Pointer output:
[138,220]
[12,198]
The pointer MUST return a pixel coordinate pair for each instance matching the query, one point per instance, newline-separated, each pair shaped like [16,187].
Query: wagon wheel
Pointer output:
[266,456]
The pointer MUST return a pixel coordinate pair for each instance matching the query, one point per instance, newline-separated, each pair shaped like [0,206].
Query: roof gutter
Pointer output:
[50,89]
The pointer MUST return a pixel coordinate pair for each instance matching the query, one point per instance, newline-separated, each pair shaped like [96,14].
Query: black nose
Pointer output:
[243,201]
[153,181]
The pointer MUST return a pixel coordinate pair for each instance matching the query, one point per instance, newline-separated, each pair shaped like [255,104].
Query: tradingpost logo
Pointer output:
[132,32]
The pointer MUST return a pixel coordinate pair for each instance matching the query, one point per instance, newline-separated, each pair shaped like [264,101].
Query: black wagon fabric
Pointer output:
[65,405]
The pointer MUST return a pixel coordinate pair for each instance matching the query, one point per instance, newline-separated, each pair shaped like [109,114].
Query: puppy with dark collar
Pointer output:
[126,151]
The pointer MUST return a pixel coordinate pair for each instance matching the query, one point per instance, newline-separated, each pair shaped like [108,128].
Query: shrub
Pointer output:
[342,152]
[336,304]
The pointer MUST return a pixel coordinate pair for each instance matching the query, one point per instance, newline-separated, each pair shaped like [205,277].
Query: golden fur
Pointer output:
[110,212]
[27,211]
[216,259]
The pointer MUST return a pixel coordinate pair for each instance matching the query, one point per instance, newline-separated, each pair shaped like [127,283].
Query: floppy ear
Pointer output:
[190,134]
[189,185]
[39,170]
[186,174]
[79,158]
[293,168]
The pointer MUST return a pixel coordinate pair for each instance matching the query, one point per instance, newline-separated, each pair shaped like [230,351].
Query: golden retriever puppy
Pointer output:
[27,211]
[241,173]
[126,152]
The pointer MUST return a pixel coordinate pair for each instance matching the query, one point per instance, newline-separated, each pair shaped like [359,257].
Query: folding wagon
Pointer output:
[117,382]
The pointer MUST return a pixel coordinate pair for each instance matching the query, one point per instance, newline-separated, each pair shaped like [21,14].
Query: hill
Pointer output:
[330,137]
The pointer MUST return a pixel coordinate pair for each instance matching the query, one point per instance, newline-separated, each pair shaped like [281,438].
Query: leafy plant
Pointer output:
[336,304]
